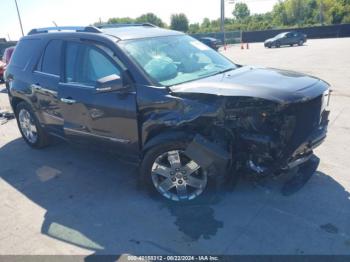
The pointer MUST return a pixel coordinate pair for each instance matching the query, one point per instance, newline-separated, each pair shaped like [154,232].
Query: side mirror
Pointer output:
[110,83]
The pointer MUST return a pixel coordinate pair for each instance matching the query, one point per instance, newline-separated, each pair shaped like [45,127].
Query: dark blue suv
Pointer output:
[180,109]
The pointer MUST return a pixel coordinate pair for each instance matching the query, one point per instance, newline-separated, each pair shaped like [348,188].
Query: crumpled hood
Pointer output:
[259,82]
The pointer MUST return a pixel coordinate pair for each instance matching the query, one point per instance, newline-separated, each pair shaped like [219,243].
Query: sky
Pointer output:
[42,13]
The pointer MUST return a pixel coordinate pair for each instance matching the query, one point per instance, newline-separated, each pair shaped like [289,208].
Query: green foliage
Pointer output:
[194,28]
[121,20]
[241,11]
[150,18]
[145,18]
[179,22]
[285,14]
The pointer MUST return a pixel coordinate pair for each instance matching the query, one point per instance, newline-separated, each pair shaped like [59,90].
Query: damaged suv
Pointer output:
[181,110]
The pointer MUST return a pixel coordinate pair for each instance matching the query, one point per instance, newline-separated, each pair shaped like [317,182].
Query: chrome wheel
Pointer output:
[27,126]
[177,177]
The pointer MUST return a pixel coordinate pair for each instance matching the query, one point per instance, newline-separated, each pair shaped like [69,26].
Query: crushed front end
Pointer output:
[271,137]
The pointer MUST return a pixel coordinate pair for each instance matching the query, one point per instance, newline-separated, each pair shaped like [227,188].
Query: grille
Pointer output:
[307,115]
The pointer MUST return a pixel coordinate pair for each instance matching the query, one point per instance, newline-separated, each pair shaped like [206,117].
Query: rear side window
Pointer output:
[86,64]
[24,51]
[50,62]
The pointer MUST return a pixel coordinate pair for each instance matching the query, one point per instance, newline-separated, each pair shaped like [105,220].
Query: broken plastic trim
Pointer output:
[208,155]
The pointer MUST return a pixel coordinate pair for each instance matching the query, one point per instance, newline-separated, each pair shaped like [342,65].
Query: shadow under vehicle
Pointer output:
[183,112]
[90,200]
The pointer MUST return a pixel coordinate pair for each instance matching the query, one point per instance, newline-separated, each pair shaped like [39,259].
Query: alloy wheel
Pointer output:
[27,126]
[177,177]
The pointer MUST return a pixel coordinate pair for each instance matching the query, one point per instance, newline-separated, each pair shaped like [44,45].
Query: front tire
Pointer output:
[301,42]
[166,170]
[34,135]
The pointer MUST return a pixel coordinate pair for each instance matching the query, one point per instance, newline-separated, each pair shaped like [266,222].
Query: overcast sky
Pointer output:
[41,13]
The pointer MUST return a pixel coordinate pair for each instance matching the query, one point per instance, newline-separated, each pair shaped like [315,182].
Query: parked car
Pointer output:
[2,70]
[287,38]
[5,61]
[8,54]
[183,112]
[5,44]
[211,42]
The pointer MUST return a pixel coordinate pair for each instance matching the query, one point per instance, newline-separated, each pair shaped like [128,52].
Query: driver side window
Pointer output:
[85,64]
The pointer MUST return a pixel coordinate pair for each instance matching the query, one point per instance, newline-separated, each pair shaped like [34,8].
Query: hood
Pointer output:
[258,82]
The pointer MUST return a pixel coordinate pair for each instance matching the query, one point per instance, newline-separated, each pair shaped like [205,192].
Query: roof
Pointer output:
[122,32]
[137,32]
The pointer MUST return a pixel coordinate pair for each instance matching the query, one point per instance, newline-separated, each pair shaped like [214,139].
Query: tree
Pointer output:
[194,28]
[285,14]
[241,11]
[120,20]
[295,11]
[150,18]
[206,22]
[179,22]
[279,14]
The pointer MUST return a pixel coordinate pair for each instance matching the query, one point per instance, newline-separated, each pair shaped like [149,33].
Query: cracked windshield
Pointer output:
[176,59]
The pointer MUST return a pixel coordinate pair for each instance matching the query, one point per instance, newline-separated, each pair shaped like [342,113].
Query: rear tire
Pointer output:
[29,126]
[177,180]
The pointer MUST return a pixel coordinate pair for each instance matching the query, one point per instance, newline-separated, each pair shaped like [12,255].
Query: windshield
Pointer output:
[173,60]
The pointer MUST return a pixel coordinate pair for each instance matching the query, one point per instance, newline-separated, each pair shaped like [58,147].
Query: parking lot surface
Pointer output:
[68,200]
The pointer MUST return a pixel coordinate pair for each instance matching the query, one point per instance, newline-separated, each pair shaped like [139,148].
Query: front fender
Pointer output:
[167,137]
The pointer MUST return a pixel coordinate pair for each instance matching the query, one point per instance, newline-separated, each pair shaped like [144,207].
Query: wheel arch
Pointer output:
[15,101]
[168,136]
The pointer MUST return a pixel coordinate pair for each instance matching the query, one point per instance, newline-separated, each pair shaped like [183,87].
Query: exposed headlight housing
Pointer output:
[326,100]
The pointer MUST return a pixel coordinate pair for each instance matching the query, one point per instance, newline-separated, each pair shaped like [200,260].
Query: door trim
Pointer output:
[118,140]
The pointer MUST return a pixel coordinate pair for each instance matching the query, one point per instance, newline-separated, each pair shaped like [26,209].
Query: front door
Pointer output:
[108,119]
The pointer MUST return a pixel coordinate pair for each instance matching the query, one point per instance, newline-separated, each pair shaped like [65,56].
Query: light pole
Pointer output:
[321,12]
[222,24]
[19,18]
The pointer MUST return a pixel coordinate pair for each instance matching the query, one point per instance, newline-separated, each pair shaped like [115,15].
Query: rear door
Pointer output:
[45,86]
[106,119]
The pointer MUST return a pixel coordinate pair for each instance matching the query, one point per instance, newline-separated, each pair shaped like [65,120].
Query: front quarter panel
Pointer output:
[161,112]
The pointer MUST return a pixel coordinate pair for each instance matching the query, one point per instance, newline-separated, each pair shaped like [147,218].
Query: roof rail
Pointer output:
[86,29]
[124,25]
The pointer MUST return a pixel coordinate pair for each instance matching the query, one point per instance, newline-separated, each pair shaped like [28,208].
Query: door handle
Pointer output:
[68,101]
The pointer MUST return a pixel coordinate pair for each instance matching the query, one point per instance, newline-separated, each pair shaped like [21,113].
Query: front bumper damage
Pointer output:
[219,162]
[240,130]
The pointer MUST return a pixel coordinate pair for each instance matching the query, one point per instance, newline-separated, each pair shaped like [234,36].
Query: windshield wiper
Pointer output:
[217,73]
[226,70]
